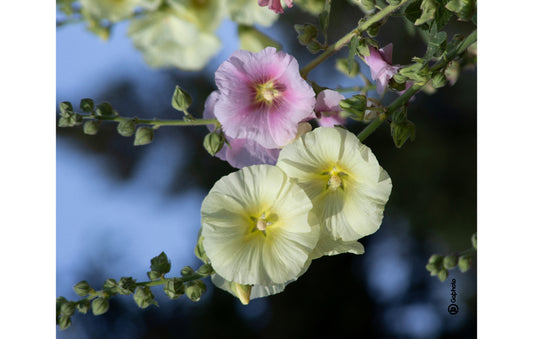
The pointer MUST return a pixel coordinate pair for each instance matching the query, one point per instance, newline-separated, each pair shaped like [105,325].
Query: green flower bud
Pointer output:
[314,47]
[126,285]
[343,66]
[105,109]
[394,2]
[199,250]
[368,4]
[395,85]
[70,120]
[144,297]
[373,30]
[100,306]
[435,259]
[213,143]
[401,132]
[195,289]
[110,286]
[83,306]
[356,106]
[87,105]
[143,136]
[60,301]
[474,241]
[160,263]
[154,275]
[181,100]
[362,47]
[82,288]
[241,291]
[438,80]
[450,261]
[432,267]
[91,127]
[465,262]
[443,274]
[187,271]
[64,322]
[205,270]
[65,108]
[174,288]
[126,128]
[68,308]
[306,33]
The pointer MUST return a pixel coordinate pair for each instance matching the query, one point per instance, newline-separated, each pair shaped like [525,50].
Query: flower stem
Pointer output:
[157,122]
[404,98]
[363,26]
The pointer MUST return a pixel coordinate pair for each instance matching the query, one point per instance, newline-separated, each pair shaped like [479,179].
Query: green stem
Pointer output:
[346,39]
[404,98]
[157,122]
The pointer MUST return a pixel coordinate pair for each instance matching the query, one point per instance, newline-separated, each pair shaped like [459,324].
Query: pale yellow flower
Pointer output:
[347,186]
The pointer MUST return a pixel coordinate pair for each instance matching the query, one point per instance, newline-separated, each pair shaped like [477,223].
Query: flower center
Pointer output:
[335,180]
[260,224]
[266,93]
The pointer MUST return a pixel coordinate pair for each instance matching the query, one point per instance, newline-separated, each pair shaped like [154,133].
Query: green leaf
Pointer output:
[181,100]
[354,42]
[342,65]
[323,18]
[87,105]
[413,11]
[255,41]
[143,136]
[436,44]
[428,7]
[464,9]
[160,263]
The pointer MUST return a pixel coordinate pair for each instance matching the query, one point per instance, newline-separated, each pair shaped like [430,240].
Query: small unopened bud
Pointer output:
[186,271]
[450,261]
[64,322]
[91,127]
[314,47]
[144,297]
[126,128]
[465,262]
[83,306]
[401,132]
[174,288]
[143,136]
[87,105]
[242,292]
[195,289]
[82,288]
[154,275]
[443,274]
[126,285]
[160,263]
[205,270]
[306,33]
[105,109]
[181,100]
[68,308]
[356,106]
[65,108]
[100,306]
[213,143]
[438,80]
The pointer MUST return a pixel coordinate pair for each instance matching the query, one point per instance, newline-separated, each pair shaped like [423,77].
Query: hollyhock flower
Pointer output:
[262,97]
[381,68]
[274,5]
[347,186]
[328,109]
[113,11]
[257,227]
[241,152]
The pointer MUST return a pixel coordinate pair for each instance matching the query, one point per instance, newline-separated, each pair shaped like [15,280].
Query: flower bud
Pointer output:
[110,286]
[356,106]
[144,297]
[199,250]
[465,262]
[60,301]
[143,136]
[438,80]
[474,241]
[205,270]
[186,271]
[181,100]
[241,291]
[100,306]
[126,128]
[87,105]
[306,33]
[154,275]
[174,288]
[314,47]
[401,132]
[443,274]
[64,322]
[450,261]
[160,263]
[65,108]
[194,289]
[126,285]
[68,308]
[435,259]
[91,127]
[82,288]
[105,109]
[213,143]
[83,306]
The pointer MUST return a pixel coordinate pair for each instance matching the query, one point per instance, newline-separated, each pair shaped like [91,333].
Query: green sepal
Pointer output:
[83,306]
[126,128]
[68,308]
[144,297]
[154,275]
[187,271]
[64,322]
[82,288]
[199,250]
[100,306]
[105,109]
[160,263]
[402,132]
[449,262]
[143,136]
[362,47]
[355,106]
[443,274]
[65,108]
[195,289]
[306,33]
[87,105]
[213,142]
[315,47]
[205,270]
[126,285]
[174,288]
[181,100]
[438,80]
[90,127]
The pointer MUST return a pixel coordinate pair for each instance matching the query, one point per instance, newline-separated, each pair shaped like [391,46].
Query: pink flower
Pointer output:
[327,108]
[241,152]
[262,97]
[274,5]
[381,68]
